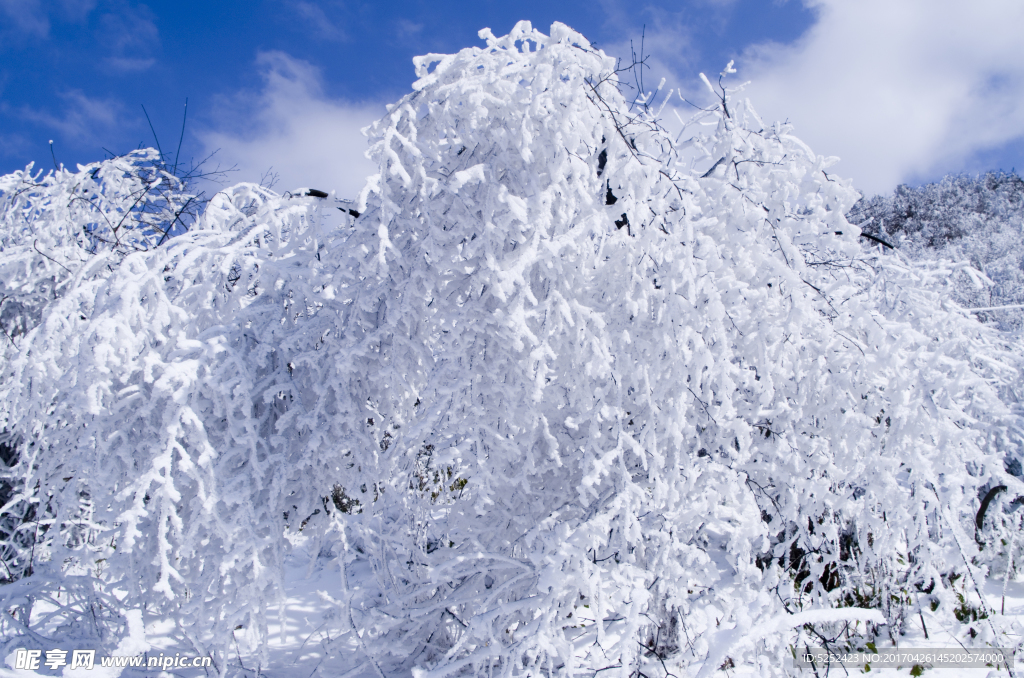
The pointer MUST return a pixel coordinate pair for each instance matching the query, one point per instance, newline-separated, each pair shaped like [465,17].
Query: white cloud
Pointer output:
[408,29]
[319,20]
[901,90]
[26,17]
[307,138]
[75,10]
[130,34]
[129,65]
[664,38]
[84,118]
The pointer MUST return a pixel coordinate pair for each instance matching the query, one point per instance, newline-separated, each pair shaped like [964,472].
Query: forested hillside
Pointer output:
[557,394]
[979,220]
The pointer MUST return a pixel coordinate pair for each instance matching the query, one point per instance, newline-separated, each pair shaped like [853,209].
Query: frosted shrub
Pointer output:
[575,405]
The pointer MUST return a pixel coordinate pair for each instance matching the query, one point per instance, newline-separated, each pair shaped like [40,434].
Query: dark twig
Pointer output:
[878,240]
[703,404]
[979,518]
[177,217]
[178,152]
[155,138]
[10,339]
[35,246]
[713,168]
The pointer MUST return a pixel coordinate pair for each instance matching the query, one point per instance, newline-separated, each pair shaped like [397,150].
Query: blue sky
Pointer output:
[901,90]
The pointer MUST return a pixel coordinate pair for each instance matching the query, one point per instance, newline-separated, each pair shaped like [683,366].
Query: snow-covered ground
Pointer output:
[311,633]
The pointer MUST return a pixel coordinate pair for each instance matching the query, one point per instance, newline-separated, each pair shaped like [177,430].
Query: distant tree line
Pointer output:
[975,219]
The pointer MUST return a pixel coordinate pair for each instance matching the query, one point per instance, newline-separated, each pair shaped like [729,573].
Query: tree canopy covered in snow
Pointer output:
[578,395]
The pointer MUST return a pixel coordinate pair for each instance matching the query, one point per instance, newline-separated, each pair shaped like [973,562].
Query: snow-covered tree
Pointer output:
[53,224]
[576,405]
[56,230]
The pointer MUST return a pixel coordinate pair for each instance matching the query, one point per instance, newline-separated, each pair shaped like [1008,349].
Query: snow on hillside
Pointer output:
[979,220]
